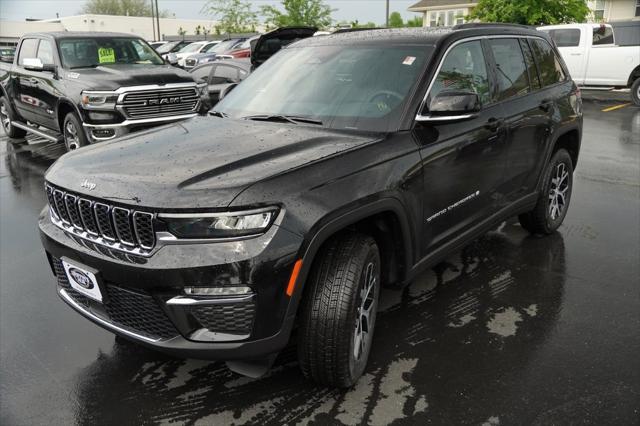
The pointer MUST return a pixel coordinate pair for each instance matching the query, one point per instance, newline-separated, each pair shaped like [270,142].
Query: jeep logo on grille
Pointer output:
[165,101]
[81,278]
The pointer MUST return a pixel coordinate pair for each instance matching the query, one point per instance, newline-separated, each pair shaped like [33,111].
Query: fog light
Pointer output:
[217,291]
[103,133]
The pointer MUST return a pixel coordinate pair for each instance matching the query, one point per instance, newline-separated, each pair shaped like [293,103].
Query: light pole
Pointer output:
[387,15]
[153,22]
[158,20]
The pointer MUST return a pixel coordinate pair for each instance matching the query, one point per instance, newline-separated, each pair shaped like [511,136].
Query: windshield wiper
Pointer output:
[219,114]
[85,66]
[283,119]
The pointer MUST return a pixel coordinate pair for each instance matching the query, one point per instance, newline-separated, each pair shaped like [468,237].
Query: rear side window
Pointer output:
[464,68]
[548,64]
[513,79]
[27,50]
[531,65]
[45,52]
[566,38]
[602,35]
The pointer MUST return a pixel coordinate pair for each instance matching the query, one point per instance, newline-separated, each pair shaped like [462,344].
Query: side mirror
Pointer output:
[224,92]
[33,64]
[172,58]
[451,105]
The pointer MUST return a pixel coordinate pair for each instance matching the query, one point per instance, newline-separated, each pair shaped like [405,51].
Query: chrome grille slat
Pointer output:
[137,104]
[113,226]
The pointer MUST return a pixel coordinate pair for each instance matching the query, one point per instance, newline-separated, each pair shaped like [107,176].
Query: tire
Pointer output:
[554,198]
[335,336]
[635,92]
[73,132]
[6,117]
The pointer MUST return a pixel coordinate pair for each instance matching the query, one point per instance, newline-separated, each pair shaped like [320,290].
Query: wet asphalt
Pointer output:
[513,329]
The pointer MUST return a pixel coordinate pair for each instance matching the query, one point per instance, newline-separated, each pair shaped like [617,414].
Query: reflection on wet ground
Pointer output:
[513,329]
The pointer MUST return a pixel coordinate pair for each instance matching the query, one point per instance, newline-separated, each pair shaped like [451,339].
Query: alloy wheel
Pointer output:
[366,312]
[558,191]
[71,136]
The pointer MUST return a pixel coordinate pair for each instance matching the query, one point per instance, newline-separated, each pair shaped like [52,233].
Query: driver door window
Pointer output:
[464,68]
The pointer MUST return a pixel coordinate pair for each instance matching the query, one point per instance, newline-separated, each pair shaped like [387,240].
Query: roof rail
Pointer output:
[352,30]
[491,25]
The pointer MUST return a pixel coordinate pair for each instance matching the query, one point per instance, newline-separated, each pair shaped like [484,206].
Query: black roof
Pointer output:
[417,35]
[81,34]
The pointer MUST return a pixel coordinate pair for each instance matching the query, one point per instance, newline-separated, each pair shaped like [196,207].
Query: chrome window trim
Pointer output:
[425,118]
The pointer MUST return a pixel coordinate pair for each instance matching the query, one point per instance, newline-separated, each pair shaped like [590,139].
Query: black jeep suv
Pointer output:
[345,162]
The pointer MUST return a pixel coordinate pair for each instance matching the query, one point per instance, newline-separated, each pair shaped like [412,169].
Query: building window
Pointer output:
[433,17]
[598,12]
[441,19]
[637,8]
[460,16]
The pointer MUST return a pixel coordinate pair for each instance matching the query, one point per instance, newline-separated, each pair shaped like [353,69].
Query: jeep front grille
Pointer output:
[116,227]
[160,102]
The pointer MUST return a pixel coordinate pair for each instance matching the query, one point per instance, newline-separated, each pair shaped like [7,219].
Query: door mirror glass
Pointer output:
[455,102]
[33,64]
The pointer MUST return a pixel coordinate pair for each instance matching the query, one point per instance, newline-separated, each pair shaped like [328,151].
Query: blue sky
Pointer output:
[348,10]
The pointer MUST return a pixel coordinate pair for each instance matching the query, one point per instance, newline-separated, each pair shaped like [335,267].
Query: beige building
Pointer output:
[443,13]
[438,13]
[11,31]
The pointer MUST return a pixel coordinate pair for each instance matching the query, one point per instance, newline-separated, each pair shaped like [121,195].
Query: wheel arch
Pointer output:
[384,219]
[634,75]
[569,140]
[64,107]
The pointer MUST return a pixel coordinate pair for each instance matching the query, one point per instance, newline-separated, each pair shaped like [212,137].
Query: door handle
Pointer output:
[33,80]
[493,124]
[545,106]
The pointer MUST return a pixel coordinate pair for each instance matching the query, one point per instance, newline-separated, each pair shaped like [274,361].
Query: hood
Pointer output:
[204,162]
[112,77]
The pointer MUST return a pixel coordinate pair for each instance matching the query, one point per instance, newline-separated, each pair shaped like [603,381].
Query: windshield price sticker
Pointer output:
[106,55]
[409,60]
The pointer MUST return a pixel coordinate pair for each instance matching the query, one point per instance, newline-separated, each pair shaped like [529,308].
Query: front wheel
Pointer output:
[74,135]
[635,92]
[6,117]
[553,201]
[339,311]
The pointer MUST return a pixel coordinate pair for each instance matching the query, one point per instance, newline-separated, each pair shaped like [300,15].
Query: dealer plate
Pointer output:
[83,280]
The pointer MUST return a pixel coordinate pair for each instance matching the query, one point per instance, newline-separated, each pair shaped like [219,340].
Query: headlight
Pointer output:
[219,225]
[99,100]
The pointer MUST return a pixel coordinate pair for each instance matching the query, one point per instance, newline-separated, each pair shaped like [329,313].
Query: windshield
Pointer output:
[92,52]
[343,87]
[167,47]
[193,47]
[222,46]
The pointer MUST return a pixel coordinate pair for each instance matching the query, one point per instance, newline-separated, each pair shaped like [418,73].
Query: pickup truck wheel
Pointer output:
[553,201]
[635,92]
[339,311]
[74,136]
[6,117]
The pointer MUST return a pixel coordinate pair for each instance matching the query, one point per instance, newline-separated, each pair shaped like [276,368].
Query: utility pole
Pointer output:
[158,20]
[387,15]
[153,22]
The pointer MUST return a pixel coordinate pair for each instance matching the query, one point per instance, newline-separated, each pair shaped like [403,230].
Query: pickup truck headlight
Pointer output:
[99,100]
[219,225]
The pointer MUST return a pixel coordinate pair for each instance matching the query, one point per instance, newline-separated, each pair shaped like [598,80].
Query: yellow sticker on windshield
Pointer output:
[106,55]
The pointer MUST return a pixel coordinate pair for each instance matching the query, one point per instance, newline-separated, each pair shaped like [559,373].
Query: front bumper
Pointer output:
[137,291]
[104,132]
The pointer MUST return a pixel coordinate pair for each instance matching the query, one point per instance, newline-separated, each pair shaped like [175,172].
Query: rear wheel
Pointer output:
[553,201]
[74,135]
[635,92]
[339,311]
[6,117]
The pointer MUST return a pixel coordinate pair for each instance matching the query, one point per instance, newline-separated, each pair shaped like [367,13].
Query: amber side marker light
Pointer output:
[294,277]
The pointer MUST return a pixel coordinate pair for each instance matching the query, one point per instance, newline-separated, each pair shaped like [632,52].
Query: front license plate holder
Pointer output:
[83,279]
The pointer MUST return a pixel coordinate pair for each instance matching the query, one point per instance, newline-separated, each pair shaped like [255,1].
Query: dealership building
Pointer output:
[11,31]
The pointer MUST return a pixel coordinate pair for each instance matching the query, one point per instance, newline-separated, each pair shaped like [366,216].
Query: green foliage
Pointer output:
[415,22]
[181,31]
[120,7]
[356,24]
[395,20]
[314,13]
[234,16]
[530,12]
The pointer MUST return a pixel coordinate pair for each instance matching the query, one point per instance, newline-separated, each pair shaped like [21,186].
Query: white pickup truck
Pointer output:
[593,58]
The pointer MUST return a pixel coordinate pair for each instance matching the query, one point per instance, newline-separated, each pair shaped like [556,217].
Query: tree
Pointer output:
[356,24]
[395,20]
[313,13]
[234,16]
[530,12]
[120,7]
[415,22]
